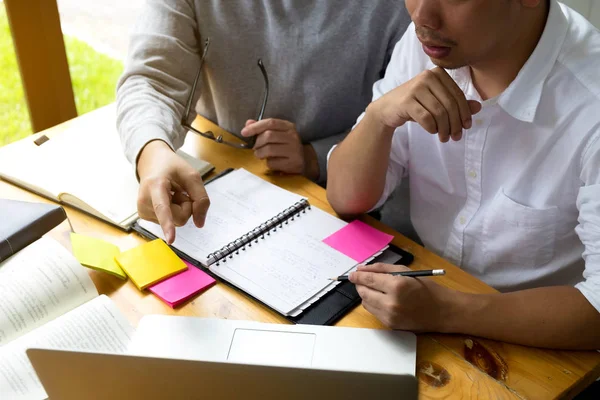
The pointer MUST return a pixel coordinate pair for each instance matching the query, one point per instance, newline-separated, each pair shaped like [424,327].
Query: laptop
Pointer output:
[186,357]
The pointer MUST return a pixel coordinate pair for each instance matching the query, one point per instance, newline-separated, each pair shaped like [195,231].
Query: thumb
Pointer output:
[475,106]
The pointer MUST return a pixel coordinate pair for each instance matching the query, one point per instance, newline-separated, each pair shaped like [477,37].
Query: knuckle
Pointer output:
[269,136]
[271,123]
[439,110]
[397,285]
[451,106]
[362,293]
[204,202]
[427,74]
[193,176]
[429,123]
[159,207]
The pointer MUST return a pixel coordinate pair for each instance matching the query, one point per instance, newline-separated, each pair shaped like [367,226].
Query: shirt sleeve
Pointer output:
[588,229]
[163,58]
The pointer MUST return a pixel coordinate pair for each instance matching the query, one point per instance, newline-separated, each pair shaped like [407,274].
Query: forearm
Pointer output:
[552,317]
[357,167]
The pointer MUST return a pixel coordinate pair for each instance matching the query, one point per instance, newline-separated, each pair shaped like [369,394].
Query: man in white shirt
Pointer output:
[492,108]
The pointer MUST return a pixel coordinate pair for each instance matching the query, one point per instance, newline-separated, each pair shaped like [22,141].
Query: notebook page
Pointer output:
[97,170]
[239,202]
[96,326]
[291,264]
[26,164]
[298,310]
[38,284]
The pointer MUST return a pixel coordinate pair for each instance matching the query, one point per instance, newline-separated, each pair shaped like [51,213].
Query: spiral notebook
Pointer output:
[264,240]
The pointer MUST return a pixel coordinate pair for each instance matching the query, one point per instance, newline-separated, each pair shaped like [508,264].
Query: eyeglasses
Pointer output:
[248,142]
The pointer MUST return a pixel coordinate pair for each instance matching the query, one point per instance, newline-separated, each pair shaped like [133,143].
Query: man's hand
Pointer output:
[279,143]
[171,190]
[433,100]
[413,304]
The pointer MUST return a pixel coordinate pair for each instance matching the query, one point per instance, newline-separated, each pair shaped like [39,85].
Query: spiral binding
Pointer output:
[234,247]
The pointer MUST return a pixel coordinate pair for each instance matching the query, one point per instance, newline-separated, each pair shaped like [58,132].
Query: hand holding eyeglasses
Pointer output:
[171,190]
[278,142]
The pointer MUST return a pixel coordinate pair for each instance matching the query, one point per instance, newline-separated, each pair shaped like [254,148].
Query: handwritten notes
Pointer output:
[358,240]
[150,263]
[179,288]
[96,254]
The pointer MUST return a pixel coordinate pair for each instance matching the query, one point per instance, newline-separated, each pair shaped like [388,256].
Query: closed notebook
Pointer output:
[22,223]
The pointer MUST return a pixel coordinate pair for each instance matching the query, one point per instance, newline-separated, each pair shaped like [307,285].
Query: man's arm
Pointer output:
[162,61]
[555,317]
[163,58]
[357,166]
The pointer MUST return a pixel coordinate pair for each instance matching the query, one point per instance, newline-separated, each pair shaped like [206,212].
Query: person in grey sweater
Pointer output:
[321,58]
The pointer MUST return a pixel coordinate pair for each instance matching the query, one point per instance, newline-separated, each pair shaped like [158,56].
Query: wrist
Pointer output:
[148,155]
[459,311]
[311,162]
[373,117]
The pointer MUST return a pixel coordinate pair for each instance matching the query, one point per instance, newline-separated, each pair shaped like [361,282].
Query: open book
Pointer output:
[83,167]
[264,240]
[48,300]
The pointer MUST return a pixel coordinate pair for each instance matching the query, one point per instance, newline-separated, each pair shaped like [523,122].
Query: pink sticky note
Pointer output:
[179,288]
[358,240]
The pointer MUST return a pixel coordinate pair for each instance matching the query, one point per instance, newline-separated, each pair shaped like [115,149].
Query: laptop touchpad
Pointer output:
[286,349]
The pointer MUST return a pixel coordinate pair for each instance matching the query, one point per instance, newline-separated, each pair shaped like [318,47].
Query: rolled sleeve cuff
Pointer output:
[590,289]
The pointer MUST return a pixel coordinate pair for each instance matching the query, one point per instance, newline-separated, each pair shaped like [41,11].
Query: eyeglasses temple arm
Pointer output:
[188,105]
[266,79]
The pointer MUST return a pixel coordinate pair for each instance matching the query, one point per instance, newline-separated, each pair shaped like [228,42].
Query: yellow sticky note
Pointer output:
[150,263]
[96,254]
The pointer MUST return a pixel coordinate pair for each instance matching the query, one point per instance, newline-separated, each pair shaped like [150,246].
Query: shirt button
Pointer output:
[473,174]
[462,220]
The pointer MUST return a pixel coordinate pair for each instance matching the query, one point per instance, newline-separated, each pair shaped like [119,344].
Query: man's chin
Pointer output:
[447,64]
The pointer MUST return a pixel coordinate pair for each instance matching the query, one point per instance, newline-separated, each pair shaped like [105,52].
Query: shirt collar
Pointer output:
[522,97]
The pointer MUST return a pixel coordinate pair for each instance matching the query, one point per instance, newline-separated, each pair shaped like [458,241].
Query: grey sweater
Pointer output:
[322,58]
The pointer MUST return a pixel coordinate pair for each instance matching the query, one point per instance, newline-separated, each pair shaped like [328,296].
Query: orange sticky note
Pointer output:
[150,263]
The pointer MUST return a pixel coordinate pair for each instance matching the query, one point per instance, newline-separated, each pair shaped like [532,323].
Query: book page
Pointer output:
[38,284]
[26,164]
[95,169]
[239,202]
[290,265]
[97,326]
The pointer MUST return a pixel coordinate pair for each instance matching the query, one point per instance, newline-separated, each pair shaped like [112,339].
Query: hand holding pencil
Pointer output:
[412,274]
[403,302]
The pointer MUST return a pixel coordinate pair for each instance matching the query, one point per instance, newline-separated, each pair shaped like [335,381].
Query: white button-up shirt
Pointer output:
[516,202]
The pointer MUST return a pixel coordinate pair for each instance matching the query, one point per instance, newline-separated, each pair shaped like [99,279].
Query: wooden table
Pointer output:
[448,366]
